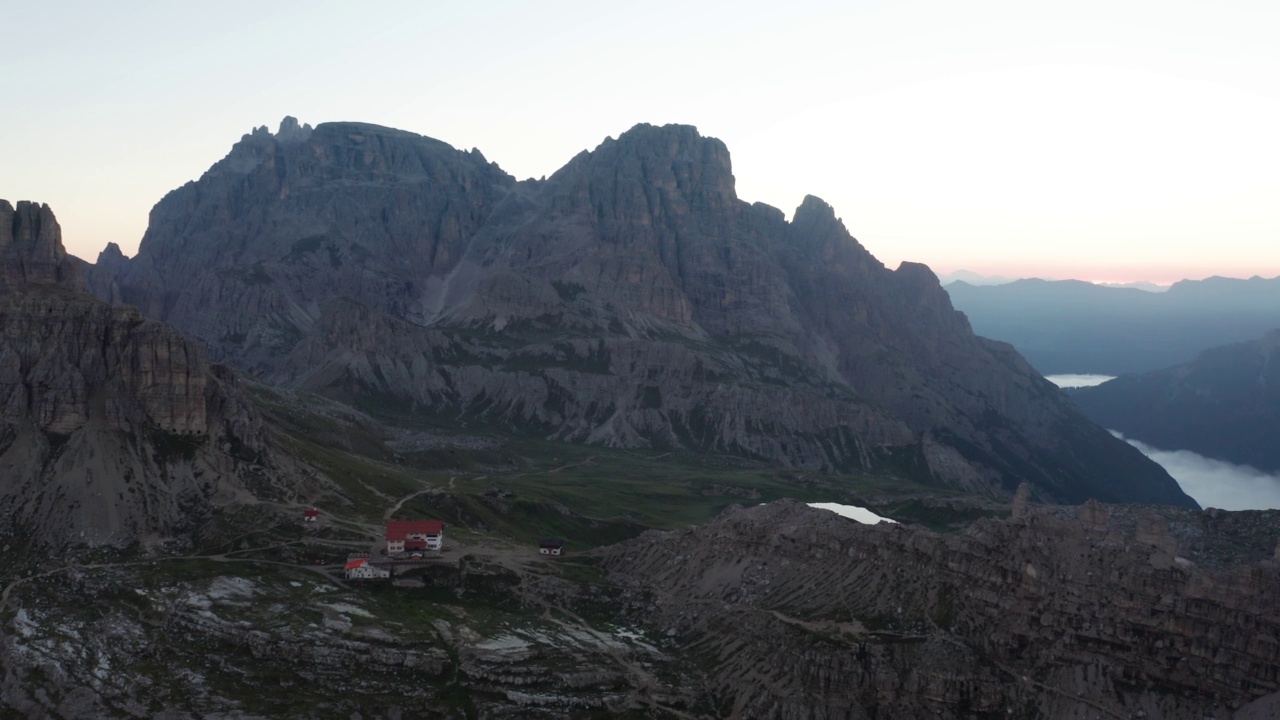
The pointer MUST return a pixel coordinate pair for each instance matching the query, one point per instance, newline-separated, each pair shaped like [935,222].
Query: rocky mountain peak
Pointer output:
[680,147]
[919,275]
[816,221]
[31,248]
[675,159]
[291,132]
[814,209]
[818,233]
[111,253]
[921,293]
[671,138]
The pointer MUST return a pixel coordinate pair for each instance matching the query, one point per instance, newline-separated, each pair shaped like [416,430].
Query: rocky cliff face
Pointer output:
[243,259]
[113,428]
[630,299]
[1225,404]
[1095,612]
[31,250]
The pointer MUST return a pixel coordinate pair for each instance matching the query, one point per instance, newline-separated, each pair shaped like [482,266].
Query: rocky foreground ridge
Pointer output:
[631,299]
[773,612]
[1087,612]
[113,428]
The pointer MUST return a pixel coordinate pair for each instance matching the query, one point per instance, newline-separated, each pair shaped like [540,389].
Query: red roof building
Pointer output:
[310,514]
[359,568]
[414,535]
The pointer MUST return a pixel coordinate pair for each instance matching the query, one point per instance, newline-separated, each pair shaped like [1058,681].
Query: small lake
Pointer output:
[1074,381]
[853,512]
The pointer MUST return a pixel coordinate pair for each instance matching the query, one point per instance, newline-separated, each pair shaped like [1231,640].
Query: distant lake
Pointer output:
[1072,381]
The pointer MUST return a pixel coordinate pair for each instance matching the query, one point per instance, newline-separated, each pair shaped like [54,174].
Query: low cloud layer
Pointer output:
[1214,483]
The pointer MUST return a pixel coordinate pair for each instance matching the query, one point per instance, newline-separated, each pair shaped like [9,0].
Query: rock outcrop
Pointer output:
[798,612]
[631,299]
[31,250]
[113,428]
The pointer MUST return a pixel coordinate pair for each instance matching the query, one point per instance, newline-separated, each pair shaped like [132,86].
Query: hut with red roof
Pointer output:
[408,535]
[359,568]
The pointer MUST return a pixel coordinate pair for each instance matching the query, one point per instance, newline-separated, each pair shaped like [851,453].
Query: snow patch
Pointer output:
[23,623]
[504,643]
[853,512]
[348,609]
[636,638]
[226,588]
[338,623]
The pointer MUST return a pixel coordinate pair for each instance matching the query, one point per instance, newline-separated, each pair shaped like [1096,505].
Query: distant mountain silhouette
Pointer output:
[1136,285]
[973,278]
[1071,326]
[1225,404]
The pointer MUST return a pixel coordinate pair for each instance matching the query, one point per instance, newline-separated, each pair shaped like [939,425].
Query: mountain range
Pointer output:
[628,300]
[623,355]
[1070,326]
[973,278]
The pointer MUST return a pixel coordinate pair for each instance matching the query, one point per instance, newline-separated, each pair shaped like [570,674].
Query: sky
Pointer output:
[1111,141]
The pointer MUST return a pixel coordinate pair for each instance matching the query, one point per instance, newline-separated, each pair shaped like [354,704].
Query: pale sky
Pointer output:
[1116,140]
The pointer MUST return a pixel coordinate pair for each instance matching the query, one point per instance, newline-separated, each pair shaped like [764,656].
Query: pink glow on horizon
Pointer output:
[1099,273]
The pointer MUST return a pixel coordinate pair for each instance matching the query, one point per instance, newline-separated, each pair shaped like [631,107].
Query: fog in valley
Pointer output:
[1214,483]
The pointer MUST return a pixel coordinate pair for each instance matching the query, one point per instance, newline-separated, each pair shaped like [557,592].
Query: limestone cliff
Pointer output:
[31,250]
[113,428]
[630,299]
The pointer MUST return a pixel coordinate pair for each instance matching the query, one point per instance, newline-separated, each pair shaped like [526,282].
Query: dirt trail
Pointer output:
[588,461]
[399,504]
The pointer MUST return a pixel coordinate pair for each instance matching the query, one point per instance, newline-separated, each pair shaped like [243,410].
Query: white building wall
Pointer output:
[367,572]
